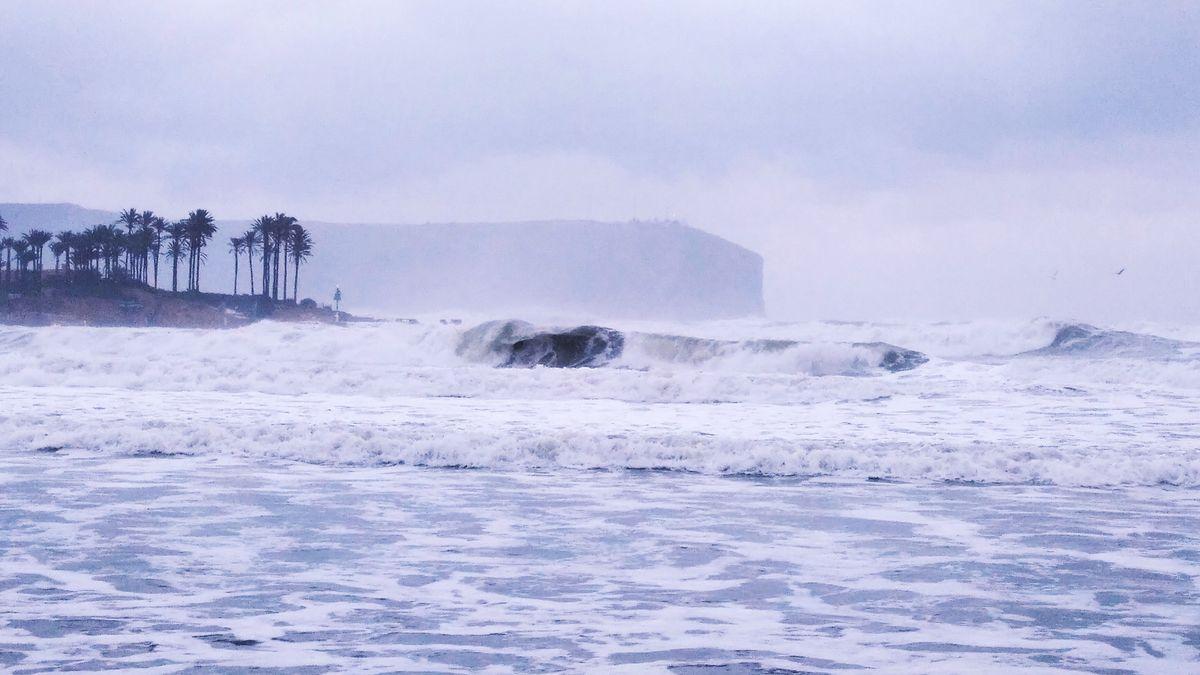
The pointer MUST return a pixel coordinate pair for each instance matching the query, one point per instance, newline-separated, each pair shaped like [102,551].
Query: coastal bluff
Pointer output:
[638,269]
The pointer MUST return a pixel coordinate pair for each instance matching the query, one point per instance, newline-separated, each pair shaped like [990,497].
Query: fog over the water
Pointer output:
[888,160]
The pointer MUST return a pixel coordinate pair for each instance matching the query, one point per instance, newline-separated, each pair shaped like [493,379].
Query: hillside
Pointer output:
[636,269]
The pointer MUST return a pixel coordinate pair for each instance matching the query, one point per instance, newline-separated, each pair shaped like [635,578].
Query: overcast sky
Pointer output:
[889,160]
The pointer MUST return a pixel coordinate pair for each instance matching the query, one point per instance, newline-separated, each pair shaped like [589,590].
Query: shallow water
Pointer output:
[172,561]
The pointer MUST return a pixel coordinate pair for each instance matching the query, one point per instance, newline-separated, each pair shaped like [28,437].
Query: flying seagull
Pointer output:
[1121,271]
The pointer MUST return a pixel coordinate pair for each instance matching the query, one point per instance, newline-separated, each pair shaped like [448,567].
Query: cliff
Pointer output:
[655,270]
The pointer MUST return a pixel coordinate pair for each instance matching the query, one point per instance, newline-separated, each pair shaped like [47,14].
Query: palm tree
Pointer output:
[130,219]
[159,226]
[264,226]
[107,245]
[302,246]
[250,241]
[57,249]
[282,225]
[176,248]
[92,246]
[200,228]
[236,246]
[6,246]
[286,249]
[146,221]
[37,240]
[140,244]
[21,248]
[85,248]
[63,240]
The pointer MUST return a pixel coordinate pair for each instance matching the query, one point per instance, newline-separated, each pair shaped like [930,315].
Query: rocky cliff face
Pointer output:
[642,270]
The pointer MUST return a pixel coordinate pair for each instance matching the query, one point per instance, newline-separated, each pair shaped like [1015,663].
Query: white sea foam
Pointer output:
[730,397]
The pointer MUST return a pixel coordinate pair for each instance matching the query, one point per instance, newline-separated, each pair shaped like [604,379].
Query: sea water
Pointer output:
[731,497]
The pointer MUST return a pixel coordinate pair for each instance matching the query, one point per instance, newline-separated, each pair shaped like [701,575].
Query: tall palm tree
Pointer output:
[108,243]
[265,227]
[65,242]
[302,247]
[130,219]
[85,249]
[250,241]
[57,249]
[283,225]
[37,240]
[159,226]
[287,255]
[92,247]
[146,224]
[20,248]
[236,246]
[3,245]
[176,248]
[200,228]
[6,247]
[140,244]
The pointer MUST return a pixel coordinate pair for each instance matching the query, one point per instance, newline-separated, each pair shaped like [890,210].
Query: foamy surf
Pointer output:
[1086,407]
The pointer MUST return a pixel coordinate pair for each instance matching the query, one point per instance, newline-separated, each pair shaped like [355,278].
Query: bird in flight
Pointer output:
[1120,271]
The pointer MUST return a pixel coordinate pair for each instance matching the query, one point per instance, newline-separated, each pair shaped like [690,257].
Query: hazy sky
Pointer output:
[920,159]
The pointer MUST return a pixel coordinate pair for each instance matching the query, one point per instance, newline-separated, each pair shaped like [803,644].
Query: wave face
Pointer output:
[514,343]
[517,344]
[1083,340]
[1025,402]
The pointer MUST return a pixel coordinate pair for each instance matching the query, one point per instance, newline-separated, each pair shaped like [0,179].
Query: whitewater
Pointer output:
[994,403]
[739,496]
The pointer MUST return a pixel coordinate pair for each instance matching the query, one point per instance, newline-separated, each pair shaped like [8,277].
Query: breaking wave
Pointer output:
[1071,404]
[1082,340]
[520,344]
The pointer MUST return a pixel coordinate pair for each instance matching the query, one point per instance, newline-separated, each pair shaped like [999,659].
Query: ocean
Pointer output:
[725,497]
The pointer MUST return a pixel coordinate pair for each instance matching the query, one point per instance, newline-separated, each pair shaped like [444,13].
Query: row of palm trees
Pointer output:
[28,251]
[133,245]
[283,243]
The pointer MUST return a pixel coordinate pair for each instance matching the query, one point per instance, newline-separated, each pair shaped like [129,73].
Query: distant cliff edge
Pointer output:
[649,270]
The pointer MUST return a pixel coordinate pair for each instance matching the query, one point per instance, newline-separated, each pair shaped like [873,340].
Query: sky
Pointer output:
[929,160]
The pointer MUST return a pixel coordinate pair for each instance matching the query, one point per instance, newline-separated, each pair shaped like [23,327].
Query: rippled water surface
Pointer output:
[171,561]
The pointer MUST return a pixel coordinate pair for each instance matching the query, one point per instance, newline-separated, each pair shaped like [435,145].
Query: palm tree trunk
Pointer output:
[250,267]
[236,257]
[285,272]
[296,281]
[275,273]
[174,274]
[266,255]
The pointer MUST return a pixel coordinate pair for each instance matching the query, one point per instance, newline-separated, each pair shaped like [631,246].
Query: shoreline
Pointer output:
[130,305]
